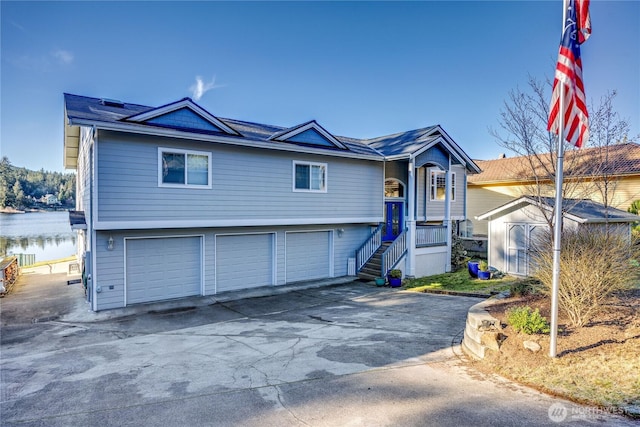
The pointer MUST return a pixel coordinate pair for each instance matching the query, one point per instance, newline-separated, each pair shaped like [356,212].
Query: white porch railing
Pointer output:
[431,235]
[392,255]
[369,247]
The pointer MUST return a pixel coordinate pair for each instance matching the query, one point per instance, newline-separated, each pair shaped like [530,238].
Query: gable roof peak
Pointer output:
[153,115]
[310,133]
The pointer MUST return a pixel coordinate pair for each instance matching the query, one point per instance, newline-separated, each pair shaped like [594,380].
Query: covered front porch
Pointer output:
[424,194]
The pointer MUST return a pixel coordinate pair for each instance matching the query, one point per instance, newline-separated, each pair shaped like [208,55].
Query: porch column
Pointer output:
[411,219]
[447,214]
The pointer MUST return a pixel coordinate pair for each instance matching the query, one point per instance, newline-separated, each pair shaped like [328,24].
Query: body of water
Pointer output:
[47,235]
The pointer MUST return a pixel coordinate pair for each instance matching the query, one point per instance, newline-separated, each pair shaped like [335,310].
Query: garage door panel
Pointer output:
[244,261]
[308,255]
[163,268]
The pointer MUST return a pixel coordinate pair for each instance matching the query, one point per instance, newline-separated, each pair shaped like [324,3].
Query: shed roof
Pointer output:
[579,210]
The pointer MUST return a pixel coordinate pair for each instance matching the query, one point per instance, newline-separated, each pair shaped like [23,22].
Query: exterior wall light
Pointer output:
[340,232]
[110,243]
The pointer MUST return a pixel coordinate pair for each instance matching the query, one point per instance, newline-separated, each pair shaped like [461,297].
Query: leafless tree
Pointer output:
[523,131]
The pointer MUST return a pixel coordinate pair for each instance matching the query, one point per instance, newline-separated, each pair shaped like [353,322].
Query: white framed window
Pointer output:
[184,168]
[311,177]
[438,185]
[393,188]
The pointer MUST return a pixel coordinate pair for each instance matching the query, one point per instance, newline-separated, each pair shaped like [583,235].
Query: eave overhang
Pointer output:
[221,139]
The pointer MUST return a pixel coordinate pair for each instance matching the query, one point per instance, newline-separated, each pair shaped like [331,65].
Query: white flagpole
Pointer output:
[557,230]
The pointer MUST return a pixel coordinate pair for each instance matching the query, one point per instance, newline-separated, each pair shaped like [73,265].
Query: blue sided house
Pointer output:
[173,201]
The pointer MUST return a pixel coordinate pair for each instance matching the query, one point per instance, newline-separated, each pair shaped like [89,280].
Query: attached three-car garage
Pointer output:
[169,267]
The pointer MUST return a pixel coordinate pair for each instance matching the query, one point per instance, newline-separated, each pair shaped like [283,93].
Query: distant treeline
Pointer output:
[21,188]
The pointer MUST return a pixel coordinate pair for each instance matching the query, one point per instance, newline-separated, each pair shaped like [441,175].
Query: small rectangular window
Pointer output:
[310,177]
[438,185]
[182,168]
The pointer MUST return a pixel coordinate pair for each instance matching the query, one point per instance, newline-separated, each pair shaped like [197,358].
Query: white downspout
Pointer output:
[411,219]
[93,194]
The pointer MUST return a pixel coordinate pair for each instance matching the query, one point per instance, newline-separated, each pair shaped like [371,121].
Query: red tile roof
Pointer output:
[623,160]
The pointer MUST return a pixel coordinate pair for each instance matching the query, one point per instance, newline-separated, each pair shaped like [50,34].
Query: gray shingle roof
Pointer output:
[402,143]
[93,110]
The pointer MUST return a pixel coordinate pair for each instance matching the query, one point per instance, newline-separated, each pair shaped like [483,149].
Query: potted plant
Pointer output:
[472,266]
[483,270]
[380,281]
[395,278]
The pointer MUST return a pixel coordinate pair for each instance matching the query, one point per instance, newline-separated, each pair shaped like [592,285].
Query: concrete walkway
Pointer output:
[342,355]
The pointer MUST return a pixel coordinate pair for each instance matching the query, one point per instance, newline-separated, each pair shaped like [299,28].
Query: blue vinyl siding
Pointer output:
[247,184]
[186,119]
[311,136]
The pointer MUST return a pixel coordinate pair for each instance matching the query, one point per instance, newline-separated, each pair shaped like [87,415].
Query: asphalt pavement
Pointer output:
[347,354]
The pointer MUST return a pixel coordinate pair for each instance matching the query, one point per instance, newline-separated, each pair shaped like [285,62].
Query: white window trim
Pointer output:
[433,172]
[162,150]
[310,164]
[404,189]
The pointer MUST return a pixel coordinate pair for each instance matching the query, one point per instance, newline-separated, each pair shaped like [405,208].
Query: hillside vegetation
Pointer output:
[21,188]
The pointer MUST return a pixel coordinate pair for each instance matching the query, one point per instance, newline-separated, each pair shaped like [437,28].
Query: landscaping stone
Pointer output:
[492,340]
[532,346]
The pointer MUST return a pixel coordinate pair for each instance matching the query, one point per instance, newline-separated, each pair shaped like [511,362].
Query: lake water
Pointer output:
[47,235]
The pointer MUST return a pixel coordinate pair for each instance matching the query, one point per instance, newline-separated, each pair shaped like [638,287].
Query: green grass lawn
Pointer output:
[460,281]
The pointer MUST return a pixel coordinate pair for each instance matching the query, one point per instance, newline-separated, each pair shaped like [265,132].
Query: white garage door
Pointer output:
[244,261]
[163,268]
[308,256]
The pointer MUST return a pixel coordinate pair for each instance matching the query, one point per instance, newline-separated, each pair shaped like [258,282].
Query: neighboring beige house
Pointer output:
[506,179]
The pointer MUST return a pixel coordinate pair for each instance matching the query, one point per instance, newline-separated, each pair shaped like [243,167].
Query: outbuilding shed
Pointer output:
[513,226]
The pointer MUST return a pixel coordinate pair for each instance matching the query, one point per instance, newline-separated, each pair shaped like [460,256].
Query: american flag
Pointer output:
[577,29]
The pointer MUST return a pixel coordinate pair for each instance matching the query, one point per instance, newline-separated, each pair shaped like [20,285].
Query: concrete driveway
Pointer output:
[346,355]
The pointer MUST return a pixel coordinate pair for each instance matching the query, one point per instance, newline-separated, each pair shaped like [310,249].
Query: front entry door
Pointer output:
[393,219]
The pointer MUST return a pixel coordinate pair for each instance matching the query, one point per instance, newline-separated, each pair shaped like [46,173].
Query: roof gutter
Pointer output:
[252,143]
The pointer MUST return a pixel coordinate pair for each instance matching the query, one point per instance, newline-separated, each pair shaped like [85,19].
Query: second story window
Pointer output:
[438,184]
[183,168]
[310,177]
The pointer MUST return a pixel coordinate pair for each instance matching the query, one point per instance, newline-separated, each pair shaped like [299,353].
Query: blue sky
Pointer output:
[361,69]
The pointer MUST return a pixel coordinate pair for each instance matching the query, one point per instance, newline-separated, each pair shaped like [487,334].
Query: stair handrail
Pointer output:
[394,253]
[369,247]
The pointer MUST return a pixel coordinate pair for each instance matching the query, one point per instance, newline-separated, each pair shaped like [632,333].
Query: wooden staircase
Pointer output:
[373,267]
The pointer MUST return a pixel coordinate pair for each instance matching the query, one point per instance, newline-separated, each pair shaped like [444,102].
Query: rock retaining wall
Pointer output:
[482,330]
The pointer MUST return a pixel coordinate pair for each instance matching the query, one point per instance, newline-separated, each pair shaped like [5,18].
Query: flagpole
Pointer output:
[557,230]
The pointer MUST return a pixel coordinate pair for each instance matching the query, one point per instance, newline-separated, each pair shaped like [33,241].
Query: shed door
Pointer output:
[519,238]
[163,268]
[308,255]
[244,261]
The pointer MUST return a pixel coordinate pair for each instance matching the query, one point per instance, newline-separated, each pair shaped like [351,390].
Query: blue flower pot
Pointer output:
[484,275]
[395,283]
[472,266]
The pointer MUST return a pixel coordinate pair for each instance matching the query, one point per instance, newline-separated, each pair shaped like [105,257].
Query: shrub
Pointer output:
[396,274]
[522,319]
[483,266]
[459,256]
[594,263]
[523,287]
